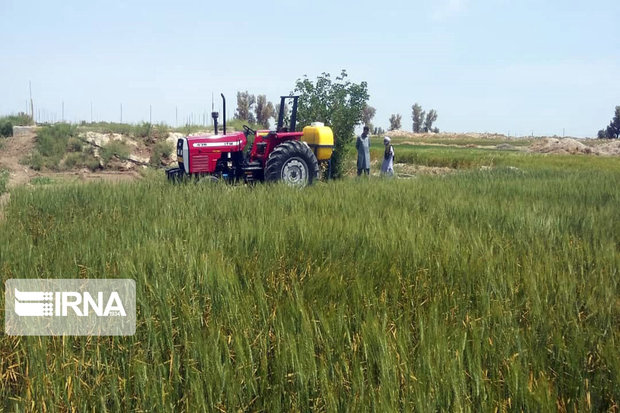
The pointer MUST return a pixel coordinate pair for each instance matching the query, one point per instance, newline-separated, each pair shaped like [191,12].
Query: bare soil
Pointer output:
[576,147]
[13,149]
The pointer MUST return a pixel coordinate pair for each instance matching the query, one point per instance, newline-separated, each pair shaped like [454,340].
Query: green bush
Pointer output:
[4,179]
[92,163]
[52,141]
[80,160]
[142,130]
[6,128]
[161,151]
[34,160]
[72,159]
[74,145]
[111,149]
[21,119]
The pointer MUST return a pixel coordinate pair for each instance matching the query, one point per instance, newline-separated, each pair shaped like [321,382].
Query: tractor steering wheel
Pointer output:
[248,130]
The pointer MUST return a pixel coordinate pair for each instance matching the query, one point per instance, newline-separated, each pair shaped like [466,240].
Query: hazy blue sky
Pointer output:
[485,65]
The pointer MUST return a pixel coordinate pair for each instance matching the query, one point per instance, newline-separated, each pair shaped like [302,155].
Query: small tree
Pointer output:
[367,114]
[6,128]
[338,104]
[245,103]
[430,118]
[417,115]
[264,111]
[395,121]
[613,130]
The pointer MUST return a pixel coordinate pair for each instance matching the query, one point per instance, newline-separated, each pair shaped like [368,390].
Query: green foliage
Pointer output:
[6,128]
[109,127]
[141,130]
[245,106]
[367,114]
[613,129]
[160,151]
[52,142]
[7,123]
[111,149]
[474,158]
[152,132]
[264,111]
[431,117]
[237,125]
[191,129]
[395,121]
[481,291]
[417,115]
[81,160]
[35,160]
[4,180]
[463,140]
[339,104]
[41,180]
[74,144]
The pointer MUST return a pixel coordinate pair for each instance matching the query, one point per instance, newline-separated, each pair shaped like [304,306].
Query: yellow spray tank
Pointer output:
[320,139]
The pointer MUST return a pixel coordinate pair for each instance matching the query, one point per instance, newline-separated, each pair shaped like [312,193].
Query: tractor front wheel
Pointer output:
[292,162]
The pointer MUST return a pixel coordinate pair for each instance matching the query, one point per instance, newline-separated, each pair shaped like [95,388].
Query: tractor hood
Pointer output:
[217,143]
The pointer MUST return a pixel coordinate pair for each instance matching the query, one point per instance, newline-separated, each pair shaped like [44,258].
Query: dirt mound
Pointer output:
[13,150]
[570,146]
[566,146]
[611,148]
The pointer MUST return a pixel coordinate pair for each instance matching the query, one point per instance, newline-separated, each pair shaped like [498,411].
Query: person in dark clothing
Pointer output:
[363,152]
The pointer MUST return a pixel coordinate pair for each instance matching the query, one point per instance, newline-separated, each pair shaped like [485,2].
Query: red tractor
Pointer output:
[278,155]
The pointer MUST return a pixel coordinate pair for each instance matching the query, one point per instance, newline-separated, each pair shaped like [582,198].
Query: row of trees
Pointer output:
[257,109]
[612,131]
[422,121]
[254,109]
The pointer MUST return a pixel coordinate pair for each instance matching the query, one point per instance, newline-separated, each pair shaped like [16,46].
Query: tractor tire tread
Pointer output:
[285,151]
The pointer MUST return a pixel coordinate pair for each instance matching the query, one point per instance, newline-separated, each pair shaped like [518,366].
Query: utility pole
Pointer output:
[176,116]
[62,119]
[121,113]
[150,114]
[91,111]
[31,103]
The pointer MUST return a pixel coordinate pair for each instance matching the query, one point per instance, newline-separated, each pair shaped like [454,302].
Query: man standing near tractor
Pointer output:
[363,152]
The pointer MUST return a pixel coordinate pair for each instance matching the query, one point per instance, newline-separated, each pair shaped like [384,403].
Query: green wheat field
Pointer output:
[479,290]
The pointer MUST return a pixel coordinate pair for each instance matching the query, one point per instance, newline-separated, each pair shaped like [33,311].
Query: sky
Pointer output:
[514,67]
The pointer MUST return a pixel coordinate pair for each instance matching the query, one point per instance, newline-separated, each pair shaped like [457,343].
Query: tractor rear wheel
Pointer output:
[292,162]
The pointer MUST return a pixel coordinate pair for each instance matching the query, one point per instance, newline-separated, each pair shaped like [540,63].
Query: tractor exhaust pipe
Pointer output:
[223,114]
